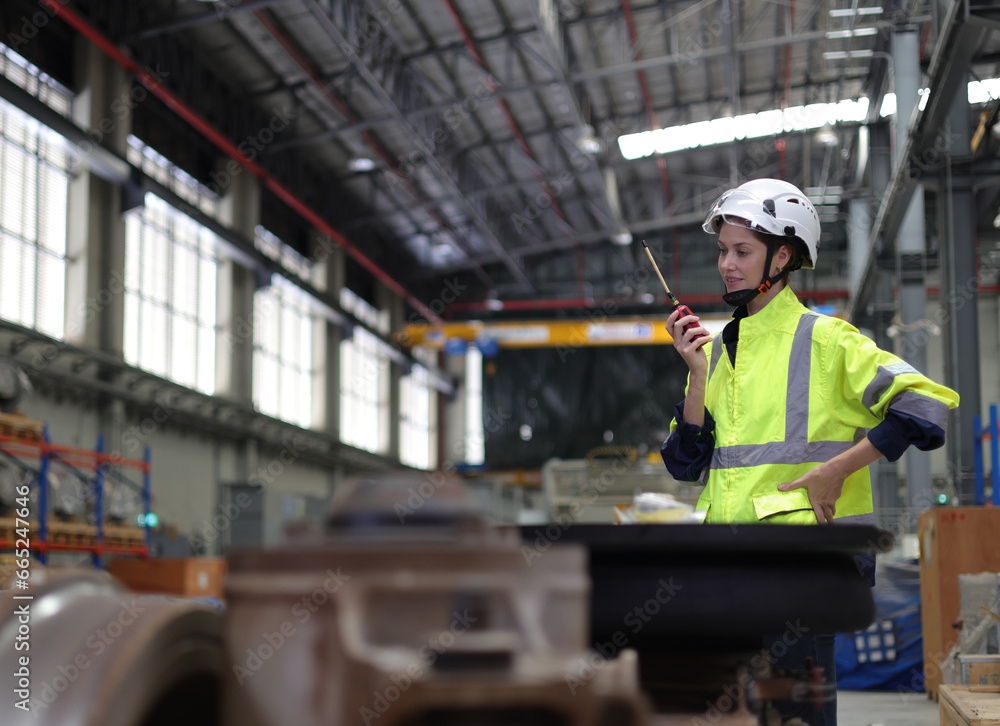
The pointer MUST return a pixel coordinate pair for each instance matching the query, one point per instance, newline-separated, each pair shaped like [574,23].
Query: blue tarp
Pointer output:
[897,600]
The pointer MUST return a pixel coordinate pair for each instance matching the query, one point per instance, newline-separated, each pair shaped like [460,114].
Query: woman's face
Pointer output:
[741,257]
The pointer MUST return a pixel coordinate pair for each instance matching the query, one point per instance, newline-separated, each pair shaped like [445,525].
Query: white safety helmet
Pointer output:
[771,206]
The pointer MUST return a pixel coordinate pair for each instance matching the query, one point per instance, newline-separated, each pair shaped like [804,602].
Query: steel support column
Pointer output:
[453,444]
[878,314]
[858,230]
[95,233]
[240,208]
[911,260]
[328,274]
[883,306]
[960,303]
[393,374]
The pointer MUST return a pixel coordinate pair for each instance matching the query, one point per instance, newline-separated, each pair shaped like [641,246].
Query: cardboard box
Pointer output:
[185,576]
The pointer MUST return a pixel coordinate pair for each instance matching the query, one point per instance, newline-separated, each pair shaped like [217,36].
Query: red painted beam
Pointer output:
[604,303]
[646,100]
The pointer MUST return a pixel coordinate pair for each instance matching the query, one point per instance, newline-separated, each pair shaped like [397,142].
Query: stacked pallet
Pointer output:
[13,426]
[77,534]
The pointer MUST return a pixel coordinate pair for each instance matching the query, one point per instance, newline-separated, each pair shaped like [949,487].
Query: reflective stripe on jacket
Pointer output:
[805,388]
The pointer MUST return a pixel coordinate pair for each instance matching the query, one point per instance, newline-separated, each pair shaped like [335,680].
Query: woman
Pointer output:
[785,409]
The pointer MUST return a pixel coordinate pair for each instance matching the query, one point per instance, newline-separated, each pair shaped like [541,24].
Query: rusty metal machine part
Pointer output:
[102,656]
[436,619]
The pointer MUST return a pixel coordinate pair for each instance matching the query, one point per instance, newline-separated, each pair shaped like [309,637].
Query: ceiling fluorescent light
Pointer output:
[844,55]
[776,121]
[848,12]
[827,135]
[856,33]
[622,237]
[587,141]
[361,163]
[821,200]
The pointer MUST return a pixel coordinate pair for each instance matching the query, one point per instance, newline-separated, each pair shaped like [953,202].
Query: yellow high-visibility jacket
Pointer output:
[805,388]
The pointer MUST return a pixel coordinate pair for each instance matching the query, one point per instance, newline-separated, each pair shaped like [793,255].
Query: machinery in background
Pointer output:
[412,611]
[589,490]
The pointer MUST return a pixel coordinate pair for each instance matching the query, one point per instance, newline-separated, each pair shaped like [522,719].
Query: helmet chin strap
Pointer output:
[744,297]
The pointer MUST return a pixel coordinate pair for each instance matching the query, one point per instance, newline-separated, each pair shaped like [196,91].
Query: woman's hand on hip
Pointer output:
[823,485]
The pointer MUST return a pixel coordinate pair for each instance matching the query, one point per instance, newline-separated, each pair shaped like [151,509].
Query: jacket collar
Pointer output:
[783,304]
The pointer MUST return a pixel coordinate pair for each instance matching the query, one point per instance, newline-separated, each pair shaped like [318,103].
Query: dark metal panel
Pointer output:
[32,32]
[246,530]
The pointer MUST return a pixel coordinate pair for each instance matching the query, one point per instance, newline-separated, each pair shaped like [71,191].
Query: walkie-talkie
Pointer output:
[684,309]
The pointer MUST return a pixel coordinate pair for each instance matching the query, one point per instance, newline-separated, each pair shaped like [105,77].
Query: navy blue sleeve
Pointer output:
[688,449]
[899,430]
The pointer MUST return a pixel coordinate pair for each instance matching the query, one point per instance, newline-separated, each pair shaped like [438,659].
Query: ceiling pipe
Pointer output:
[324,88]
[182,109]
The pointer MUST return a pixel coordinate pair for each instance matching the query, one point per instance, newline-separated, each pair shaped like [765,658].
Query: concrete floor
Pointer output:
[885,708]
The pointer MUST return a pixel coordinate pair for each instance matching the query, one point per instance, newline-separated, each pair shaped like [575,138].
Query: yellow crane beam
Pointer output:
[541,333]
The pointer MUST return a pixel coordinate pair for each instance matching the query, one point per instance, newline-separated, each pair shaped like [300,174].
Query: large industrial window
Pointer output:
[282,338]
[417,417]
[170,280]
[364,390]
[34,185]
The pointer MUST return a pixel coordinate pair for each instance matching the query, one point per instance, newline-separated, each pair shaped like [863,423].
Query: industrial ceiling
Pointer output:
[466,151]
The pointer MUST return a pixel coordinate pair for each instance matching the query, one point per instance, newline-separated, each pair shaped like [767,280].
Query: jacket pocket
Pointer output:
[784,507]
